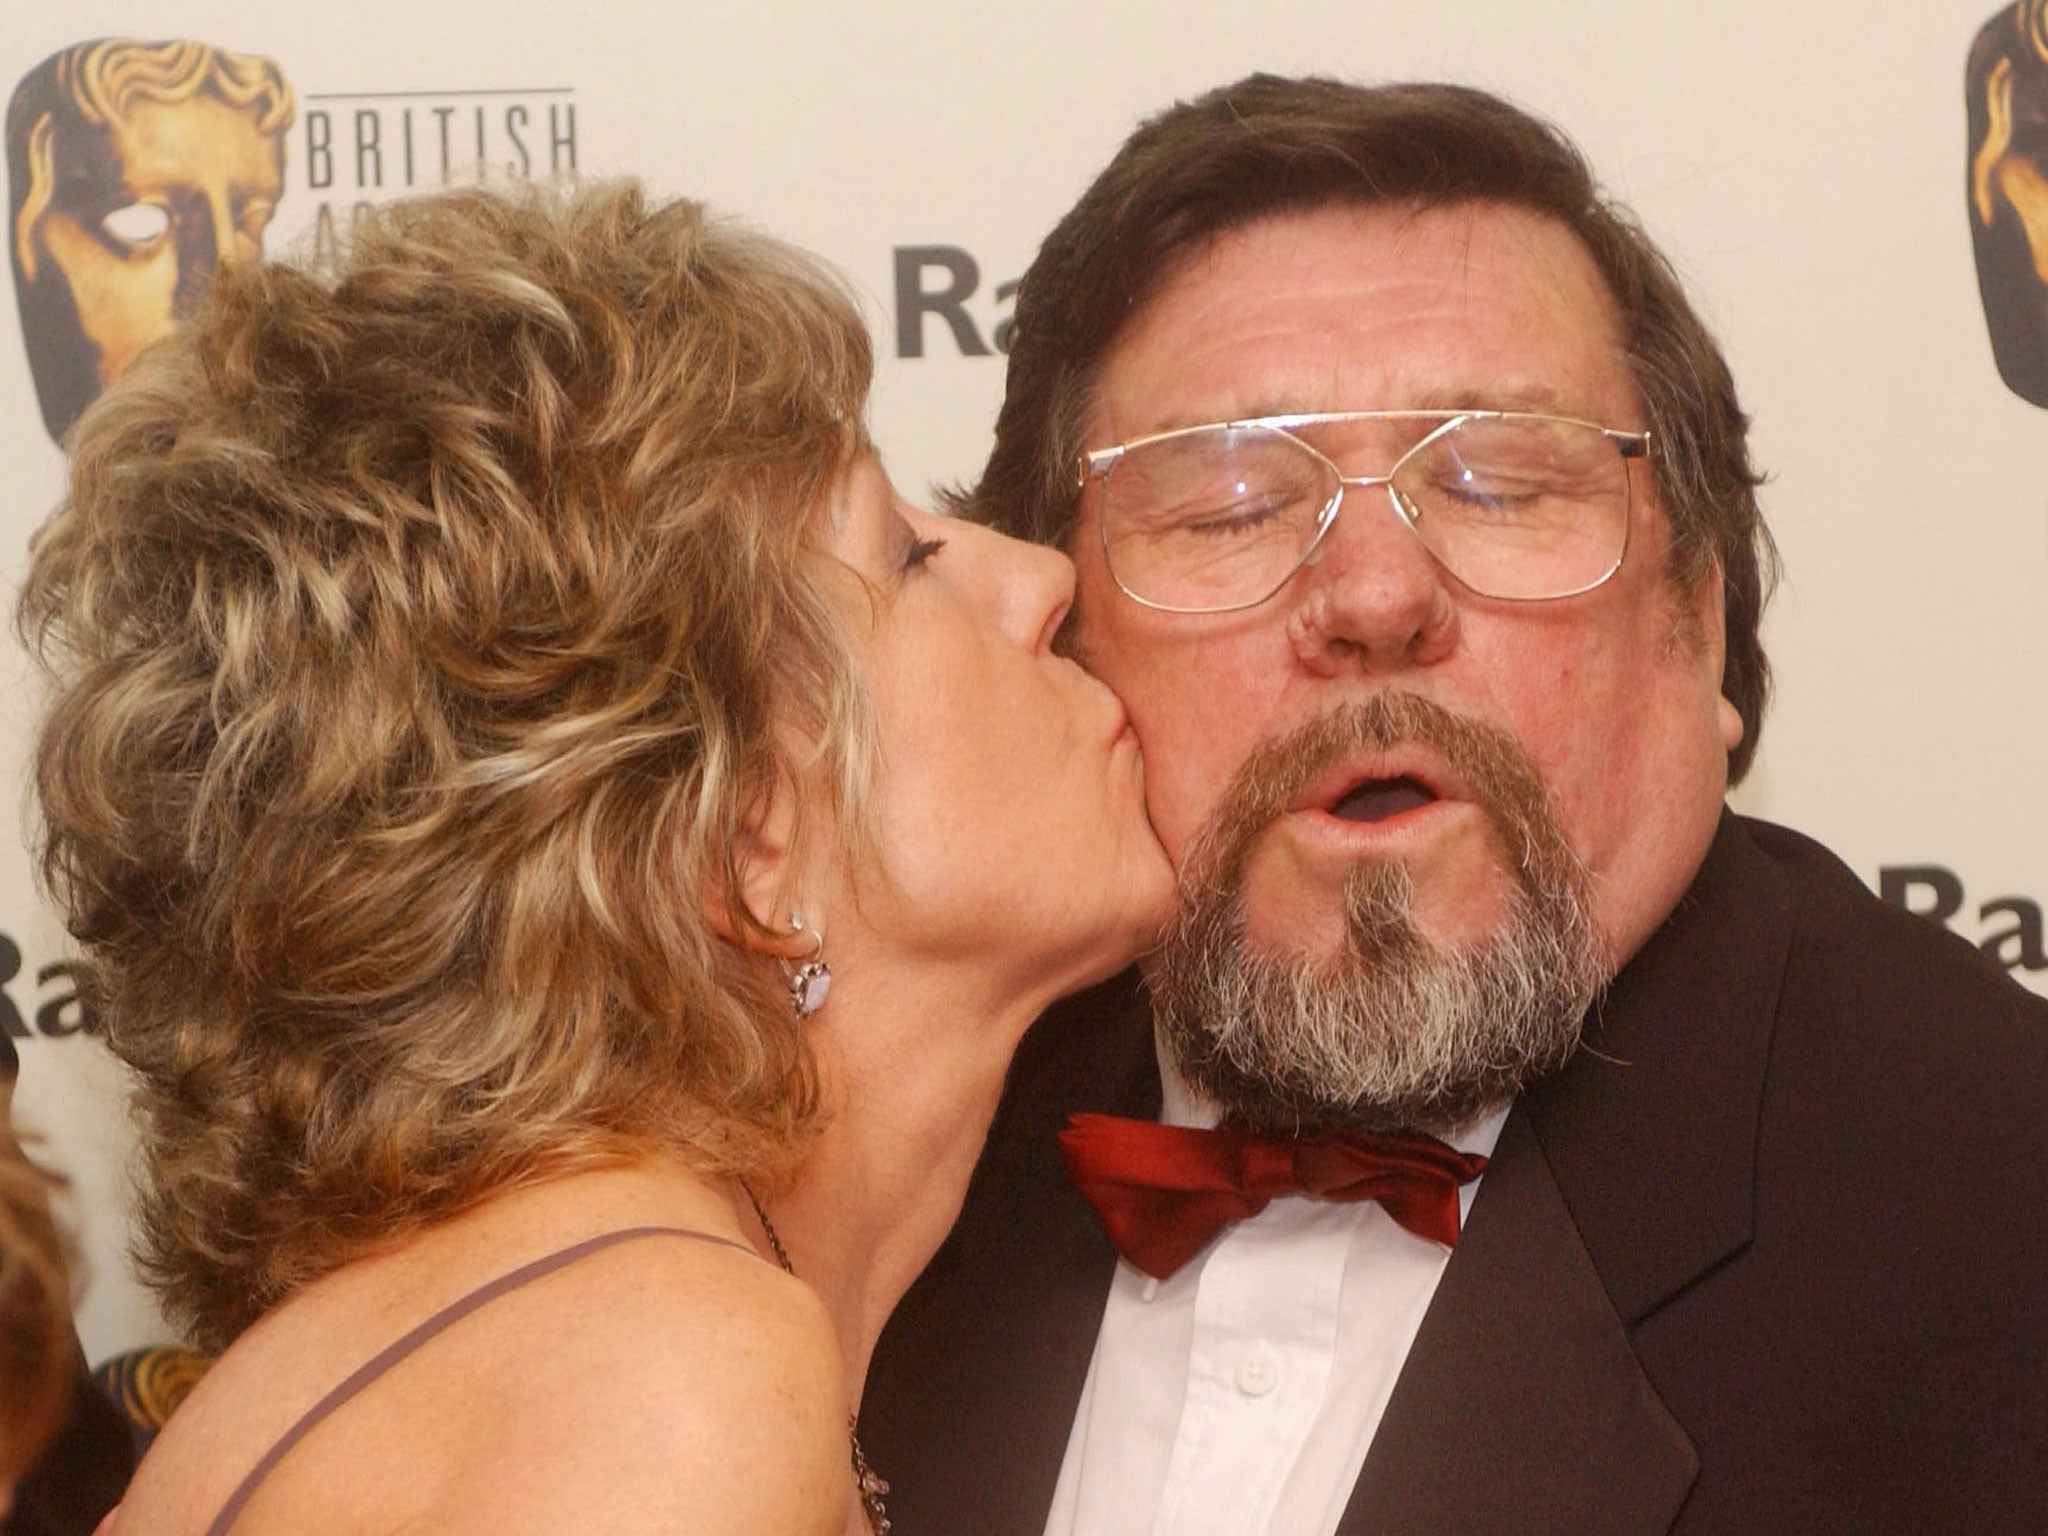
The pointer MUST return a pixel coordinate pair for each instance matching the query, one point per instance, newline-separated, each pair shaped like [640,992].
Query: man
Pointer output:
[134,170]
[1416,526]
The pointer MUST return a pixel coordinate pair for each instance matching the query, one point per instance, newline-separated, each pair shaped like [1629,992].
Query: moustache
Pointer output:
[1494,767]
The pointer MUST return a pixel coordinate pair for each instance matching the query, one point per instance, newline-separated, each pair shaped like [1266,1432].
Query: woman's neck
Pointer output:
[907,1114]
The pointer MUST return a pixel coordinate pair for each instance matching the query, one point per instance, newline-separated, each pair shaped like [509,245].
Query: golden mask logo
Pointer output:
[2007,87]
[134,169]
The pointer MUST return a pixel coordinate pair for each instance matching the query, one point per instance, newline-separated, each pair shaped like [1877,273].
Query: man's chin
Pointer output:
[1409,973]
[1319,926]
[1389,1030]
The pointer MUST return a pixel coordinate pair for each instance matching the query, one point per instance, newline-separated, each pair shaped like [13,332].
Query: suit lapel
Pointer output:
[1616,1185]
[1521,1406]
[1652,1131]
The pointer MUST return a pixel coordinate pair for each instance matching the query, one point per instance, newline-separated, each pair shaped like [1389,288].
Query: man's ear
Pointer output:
[1710,624]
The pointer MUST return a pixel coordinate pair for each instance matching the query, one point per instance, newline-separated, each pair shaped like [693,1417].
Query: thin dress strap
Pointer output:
[446,1318]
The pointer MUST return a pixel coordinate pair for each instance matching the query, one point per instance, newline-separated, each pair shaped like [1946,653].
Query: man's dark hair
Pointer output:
[1269,146]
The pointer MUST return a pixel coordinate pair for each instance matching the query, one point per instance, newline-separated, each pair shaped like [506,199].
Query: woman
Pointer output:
[563,847]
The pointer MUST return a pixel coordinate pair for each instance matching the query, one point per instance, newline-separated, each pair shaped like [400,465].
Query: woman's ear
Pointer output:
[763,866]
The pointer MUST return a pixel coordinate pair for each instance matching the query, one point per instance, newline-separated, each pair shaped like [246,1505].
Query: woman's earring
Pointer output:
[810,981]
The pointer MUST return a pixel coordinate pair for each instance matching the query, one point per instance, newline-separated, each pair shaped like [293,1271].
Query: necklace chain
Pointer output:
[867,1483]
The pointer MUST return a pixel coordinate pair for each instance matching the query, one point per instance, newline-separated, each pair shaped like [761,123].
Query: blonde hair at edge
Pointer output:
[424,636]
[35,1315]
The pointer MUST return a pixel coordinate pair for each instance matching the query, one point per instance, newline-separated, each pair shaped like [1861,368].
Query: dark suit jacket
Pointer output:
[1768,1256]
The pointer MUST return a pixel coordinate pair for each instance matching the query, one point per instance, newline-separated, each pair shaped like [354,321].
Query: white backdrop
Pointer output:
[1806,166]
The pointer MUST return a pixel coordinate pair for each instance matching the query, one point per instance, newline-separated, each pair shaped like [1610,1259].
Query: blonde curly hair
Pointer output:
[423,637]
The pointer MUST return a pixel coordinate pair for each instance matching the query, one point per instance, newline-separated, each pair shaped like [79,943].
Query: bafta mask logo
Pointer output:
[134,170]
[2008,107]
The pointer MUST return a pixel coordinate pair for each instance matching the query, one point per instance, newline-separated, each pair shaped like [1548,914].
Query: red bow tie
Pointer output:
[1164,1191]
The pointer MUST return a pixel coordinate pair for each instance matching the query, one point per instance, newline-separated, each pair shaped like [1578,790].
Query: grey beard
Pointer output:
[1393,1033]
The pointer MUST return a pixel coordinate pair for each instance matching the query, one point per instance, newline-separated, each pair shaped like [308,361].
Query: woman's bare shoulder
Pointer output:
[682,1386]
[663,1383]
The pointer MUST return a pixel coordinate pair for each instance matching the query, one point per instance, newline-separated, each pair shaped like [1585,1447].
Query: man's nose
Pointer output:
[1372,596]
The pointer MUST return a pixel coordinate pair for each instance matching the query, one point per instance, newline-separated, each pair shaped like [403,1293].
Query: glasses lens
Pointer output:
[1212,518]
[1518,506]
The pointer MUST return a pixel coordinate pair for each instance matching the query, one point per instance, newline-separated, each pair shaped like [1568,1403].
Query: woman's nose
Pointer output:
[1034,588]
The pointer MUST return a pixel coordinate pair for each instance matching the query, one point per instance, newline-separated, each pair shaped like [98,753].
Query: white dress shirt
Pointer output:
[1239,1396]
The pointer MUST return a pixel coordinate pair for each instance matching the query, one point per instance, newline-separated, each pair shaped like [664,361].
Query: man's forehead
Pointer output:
[1470,306]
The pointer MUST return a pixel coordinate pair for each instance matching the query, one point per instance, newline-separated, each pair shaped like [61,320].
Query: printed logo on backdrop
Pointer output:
[2006,87]
[41,1001]
[135,169]
[2010,929]
[943,283]
[363,147]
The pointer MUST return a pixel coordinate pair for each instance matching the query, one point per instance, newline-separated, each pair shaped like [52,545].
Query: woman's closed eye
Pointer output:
[920,551]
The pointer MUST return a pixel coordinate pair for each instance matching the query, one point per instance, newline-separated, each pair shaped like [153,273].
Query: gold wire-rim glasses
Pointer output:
[1095,465]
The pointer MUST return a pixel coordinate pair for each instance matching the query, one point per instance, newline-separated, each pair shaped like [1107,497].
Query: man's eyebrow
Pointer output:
[1528,396]
[1257,410]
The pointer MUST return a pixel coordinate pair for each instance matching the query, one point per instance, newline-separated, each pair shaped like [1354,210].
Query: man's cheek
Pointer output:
[1181,786]
[1171,810]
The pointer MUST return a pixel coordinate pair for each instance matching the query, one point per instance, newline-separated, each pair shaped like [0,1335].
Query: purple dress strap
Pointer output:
[447,1317]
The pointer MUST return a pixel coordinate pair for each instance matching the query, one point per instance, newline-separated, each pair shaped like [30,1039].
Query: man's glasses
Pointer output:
[1515,505]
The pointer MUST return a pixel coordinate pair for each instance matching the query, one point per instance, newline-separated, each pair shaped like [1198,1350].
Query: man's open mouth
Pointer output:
[1377,799]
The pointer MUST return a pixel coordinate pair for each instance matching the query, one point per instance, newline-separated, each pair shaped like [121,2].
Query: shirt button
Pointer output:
[1258,1372]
